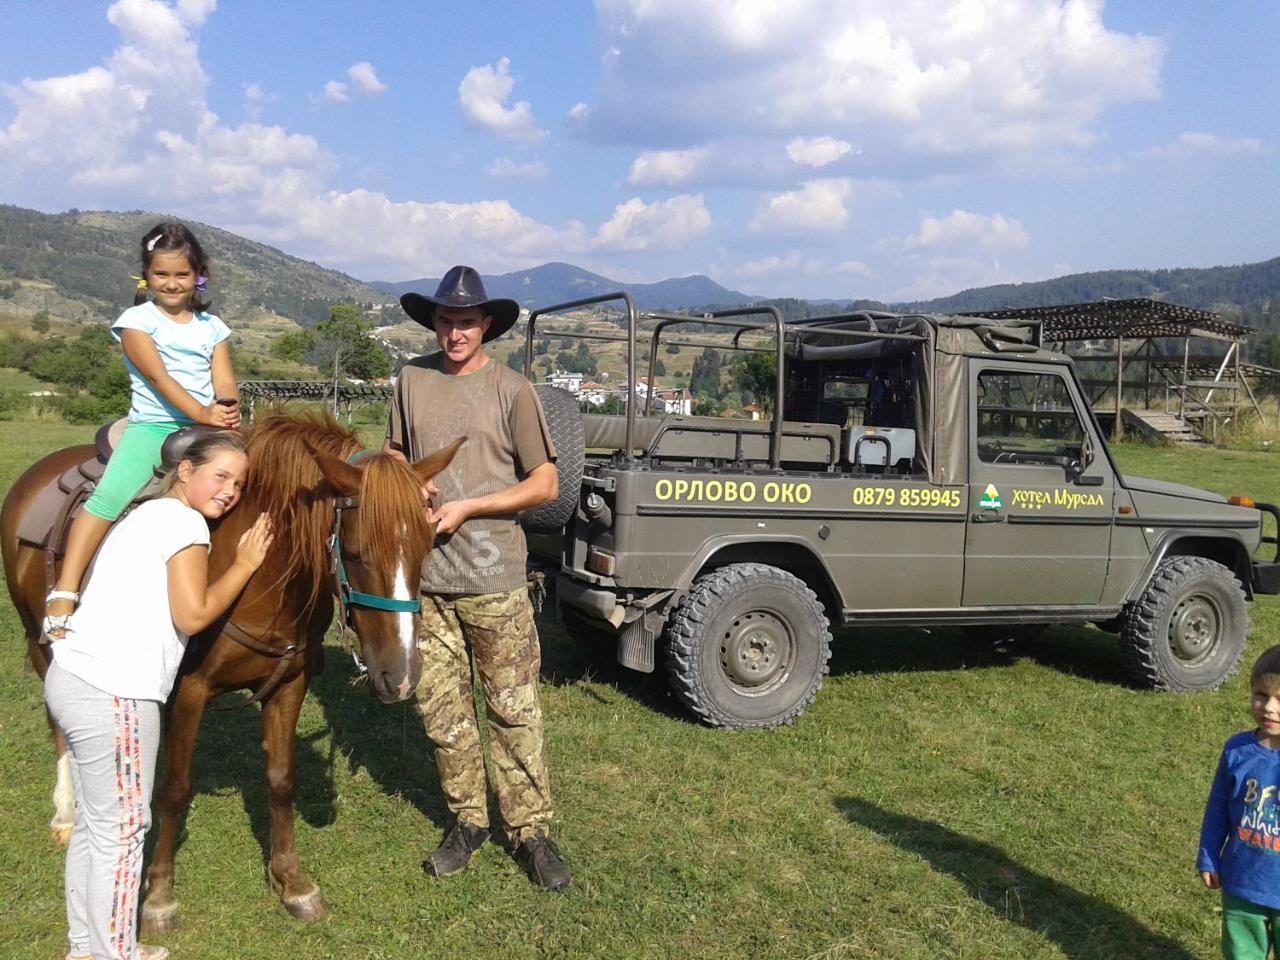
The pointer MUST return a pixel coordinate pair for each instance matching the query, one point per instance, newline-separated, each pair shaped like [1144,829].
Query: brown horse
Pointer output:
[270,641]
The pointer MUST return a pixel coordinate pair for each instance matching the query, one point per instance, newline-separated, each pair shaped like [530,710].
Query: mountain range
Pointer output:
[75,265]
[562,282]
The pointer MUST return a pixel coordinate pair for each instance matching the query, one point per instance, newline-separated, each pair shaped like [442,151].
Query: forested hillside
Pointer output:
[1246,287]
[88,256]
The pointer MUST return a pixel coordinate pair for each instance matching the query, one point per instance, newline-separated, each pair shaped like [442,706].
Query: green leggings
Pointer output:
[1248,929]
[131,466]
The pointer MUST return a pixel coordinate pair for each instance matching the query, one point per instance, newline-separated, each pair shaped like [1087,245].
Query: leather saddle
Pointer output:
[48,521]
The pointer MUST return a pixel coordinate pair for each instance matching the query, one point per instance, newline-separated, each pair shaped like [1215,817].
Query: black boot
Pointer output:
[541,861]
[455,850]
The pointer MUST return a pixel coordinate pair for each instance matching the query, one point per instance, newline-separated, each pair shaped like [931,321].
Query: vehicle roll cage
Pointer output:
[771,322]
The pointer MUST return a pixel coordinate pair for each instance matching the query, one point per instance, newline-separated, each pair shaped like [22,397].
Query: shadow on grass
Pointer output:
[1081,925]
[387,741]
[569,661]
[229,755]
[1075,650]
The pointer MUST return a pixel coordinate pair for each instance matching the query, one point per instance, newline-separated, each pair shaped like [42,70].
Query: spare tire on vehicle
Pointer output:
[564,420]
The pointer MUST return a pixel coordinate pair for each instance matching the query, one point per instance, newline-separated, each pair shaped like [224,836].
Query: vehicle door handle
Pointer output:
[987,516]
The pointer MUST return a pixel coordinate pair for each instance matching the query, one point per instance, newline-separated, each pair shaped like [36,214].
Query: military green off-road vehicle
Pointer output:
[917,470]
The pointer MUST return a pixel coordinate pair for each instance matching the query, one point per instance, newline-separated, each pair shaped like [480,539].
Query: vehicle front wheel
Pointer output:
[1187,630]
[748,647]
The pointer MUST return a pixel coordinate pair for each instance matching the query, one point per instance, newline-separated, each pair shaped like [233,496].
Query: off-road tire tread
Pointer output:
[690,620]
[564,420]
[1140,638]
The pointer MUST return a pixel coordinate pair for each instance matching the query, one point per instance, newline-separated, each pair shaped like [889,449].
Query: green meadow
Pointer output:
[941,799]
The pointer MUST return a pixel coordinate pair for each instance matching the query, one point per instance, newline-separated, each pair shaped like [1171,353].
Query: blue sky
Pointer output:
[812,148]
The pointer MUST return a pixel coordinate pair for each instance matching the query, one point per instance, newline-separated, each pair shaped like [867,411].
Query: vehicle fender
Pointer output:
[1226,547]
[794,554]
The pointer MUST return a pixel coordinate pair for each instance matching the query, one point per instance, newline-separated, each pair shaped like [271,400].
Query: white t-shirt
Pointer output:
[121,638]
[187,352]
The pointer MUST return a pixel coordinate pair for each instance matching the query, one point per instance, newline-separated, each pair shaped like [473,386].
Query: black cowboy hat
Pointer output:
[462,287]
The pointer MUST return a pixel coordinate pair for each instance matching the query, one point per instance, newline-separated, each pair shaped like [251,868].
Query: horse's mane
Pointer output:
[284,481]
[391,513]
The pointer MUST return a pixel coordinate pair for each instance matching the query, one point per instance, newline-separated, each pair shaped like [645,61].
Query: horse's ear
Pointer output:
[343,476]
[434,463]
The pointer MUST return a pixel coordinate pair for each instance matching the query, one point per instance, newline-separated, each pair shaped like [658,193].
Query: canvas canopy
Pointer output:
[935,348]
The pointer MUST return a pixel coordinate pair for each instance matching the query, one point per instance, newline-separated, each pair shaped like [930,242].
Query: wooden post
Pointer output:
[337,352]
[1146,391]
[1118,432]
[1182,392]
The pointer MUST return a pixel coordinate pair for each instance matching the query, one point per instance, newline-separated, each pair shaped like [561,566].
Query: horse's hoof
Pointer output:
[159,918]
[308,906]
[60,834]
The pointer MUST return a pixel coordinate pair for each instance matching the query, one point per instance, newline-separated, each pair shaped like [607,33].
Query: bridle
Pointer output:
[347,597]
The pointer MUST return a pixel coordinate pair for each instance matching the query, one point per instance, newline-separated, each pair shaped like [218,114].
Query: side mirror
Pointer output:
[1075,474]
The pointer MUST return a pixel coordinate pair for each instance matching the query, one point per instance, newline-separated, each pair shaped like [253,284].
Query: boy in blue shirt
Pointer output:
[1240,836]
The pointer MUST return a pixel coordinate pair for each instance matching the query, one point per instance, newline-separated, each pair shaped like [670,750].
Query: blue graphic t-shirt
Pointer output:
[1240,836]
[187,352]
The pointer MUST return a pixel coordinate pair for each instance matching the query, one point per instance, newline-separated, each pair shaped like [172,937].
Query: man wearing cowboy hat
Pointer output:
[475,598]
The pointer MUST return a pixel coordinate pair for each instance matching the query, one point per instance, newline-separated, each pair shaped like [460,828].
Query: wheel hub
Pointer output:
[756,651]
[1194,629]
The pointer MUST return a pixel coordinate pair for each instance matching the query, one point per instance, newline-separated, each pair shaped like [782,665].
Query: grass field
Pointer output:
[938,800]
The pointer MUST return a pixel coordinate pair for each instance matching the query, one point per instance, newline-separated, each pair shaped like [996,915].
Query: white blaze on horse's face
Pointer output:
[404,623]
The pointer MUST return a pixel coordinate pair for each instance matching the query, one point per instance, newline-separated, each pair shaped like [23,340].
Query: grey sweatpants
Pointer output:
[113,744]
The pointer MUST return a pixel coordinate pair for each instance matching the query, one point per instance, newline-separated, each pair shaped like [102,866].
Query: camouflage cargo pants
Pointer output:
[498,632]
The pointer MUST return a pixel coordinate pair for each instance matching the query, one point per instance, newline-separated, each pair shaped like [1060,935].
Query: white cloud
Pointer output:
[335,91]
[1191,144]
[852,268]
[503,168]
[364,82]
[962,230]
[139,130]
[794,273]
[961,76]
[665,225]
[366,79]
[942,276]
[790,262]
[255,98]
[819,205]
[483,94]
[668,168]
[817,151]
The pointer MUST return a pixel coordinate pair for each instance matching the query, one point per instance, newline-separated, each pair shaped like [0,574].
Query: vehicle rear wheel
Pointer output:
[564,420]
[748,647]
[1187,630]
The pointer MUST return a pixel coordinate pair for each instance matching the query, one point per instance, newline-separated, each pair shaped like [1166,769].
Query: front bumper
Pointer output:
[1266,573]
[592,601]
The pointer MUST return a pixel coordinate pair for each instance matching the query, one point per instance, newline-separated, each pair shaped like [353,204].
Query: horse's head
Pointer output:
[383,536]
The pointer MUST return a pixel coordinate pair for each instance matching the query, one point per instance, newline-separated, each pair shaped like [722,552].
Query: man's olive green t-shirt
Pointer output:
[498,412]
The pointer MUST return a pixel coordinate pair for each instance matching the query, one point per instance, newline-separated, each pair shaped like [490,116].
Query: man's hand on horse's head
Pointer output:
[448,517]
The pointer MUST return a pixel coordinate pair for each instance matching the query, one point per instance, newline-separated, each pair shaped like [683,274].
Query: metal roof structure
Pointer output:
[1138,318]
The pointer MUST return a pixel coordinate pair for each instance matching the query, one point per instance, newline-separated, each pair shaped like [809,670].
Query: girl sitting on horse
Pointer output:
[115,667]
[180,373]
